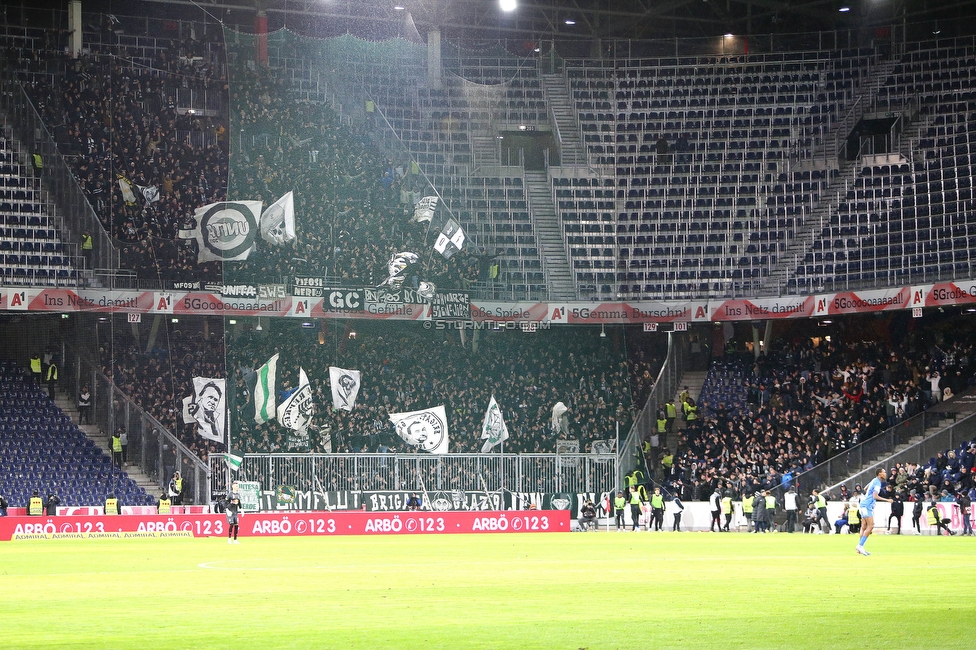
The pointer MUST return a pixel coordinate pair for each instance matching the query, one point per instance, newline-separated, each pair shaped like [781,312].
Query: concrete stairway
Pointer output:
[805,236]
[694,380]
[102,440]
[486,152]
[561,104]
[547,229]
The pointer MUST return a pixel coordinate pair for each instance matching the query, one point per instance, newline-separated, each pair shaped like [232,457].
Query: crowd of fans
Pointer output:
[353,205]
[159,378]
[806,403]
[405,368]
[117,122]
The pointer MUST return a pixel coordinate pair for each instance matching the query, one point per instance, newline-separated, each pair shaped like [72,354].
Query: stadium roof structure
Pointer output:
[585,20]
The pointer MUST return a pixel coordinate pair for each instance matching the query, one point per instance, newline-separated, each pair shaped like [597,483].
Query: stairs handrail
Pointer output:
[915,453]
[852,460]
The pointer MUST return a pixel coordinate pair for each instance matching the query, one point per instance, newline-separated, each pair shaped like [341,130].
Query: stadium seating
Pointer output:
[41,449]
[31,248]
[907,220]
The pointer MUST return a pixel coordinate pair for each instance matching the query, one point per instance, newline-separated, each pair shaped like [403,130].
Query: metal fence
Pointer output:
[837,469]
[921,452]
[57,177]
[151,447]
[416,472]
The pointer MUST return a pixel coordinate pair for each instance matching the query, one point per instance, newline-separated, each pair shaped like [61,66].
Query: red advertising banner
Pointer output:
[763,308]
[275,524]
[360,304]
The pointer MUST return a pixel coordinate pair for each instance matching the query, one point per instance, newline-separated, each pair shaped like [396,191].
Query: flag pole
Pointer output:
[423,488]
[324,495]
[502,469]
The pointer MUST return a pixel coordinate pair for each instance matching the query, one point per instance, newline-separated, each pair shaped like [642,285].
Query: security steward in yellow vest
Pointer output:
[667,462]
[671,414]
[35,367]
[619,504]
[111,505]
[770,511]
[634,478]
[176,489]
[747,509]
[117,449]
[727,511]
[935,519]
[635,506]
[657,509]
[691,410]
[164,506]
[35,507]
[52,379]
[853,520]
[87,246]
[821,504]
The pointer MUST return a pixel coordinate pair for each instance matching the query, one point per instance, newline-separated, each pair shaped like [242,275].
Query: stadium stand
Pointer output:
[165,111]
[786,411]
[159,378]
[706,155]
[41,449]
[906,218]
[407,369]
[31,246]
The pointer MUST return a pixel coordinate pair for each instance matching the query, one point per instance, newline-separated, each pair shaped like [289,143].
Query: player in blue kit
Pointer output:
[866,508]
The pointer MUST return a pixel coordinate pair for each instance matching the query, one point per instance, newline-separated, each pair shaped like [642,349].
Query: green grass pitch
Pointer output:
[594,590]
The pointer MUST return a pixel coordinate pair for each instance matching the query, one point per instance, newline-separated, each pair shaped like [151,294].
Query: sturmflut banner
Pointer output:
[426,429]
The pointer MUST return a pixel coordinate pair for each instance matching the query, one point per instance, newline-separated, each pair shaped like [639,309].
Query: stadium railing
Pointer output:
[491,472]
[921,452]
[836,470]
[156,451]
[665,387]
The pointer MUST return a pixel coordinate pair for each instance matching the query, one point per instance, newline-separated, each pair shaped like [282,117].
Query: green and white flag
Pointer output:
[493,431]
[233,462]
[264,391]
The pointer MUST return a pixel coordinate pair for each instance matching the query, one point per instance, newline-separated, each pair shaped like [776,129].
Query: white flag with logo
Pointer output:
[296,411]
[493,431]
[127,194]
[278,221]
[149,192]
[209,407]
[397,266]
[424,210]
[426,429]
[451,239]
[264,391]
[345,387]
[226,231]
